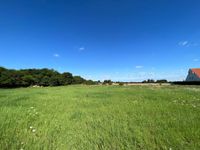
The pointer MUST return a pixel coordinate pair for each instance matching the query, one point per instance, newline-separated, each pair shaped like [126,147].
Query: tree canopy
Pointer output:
[41,77]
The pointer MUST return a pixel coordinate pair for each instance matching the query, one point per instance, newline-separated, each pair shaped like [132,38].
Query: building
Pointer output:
[193,74]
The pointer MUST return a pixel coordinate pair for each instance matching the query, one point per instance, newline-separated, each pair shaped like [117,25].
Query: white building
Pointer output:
[193,74]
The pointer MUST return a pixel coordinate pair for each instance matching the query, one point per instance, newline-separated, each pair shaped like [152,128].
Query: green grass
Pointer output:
[100,117]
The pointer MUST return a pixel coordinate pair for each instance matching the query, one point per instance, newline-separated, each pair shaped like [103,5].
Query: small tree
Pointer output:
[162,81]
[109,82]
[90,82]
[67,78]
[78,80]
[121,83]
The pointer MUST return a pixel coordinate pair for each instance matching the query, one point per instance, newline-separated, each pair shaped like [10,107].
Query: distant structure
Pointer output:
[193,74]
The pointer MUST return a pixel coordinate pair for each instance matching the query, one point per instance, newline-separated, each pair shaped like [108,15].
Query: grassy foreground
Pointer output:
[100,117]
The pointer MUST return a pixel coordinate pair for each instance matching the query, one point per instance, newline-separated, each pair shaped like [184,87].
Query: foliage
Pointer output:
[41,77]
[109,82]
[148,81]
[78,80]
[186,82]
[153,81]
[121,83]
[162,81]
[90,82]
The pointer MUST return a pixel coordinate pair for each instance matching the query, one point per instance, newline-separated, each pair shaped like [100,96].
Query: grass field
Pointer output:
[100,117]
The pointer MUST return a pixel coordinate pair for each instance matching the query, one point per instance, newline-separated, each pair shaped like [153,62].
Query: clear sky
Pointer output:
[125,40]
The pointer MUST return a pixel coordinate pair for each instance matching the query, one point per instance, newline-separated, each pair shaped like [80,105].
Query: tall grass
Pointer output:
[100,117]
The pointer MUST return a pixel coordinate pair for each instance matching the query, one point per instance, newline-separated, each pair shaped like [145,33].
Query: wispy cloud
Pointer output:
[183,43]
[81,49]
[139,67]
[56,55]
[187,44]
[195,59]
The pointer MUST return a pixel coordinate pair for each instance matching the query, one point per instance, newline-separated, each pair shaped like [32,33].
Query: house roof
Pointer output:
[196,71]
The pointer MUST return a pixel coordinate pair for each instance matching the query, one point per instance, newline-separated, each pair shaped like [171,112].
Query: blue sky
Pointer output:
[125,40]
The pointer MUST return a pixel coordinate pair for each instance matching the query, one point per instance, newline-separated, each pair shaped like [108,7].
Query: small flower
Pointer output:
[34,130]
[31,127]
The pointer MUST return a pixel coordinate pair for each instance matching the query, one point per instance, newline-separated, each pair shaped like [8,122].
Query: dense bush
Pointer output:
[148,81]
[153,81]
[186,82]
[121,83]
[107,82]
[40,77]
[162,81]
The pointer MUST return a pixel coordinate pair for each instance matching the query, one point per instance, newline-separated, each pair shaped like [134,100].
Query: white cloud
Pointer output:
[138,67]
[196,59]
[183,43]
[56,55]
[81,48]
[187,44]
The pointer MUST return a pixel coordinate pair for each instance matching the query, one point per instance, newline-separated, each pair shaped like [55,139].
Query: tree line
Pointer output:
[155,81]
[40,77]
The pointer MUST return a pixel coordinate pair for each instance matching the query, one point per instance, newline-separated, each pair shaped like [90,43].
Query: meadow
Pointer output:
[100,117]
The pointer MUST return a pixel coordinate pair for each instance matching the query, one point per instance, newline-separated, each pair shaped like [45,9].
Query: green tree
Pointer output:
[45,81]
[78,80]
[6,79]
[55,80]
[67,78]
[109,82]
[90,82]
[43,77]
[28,80]
[162,81]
